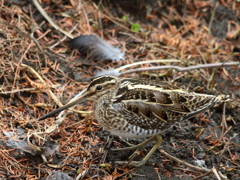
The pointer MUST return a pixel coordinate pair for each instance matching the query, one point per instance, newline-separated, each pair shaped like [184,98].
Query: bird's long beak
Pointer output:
[81,97]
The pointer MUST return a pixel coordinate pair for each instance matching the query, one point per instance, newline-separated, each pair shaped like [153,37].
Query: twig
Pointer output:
[63,114]
[224,123]
[181,69]
[212,17]
[152,46]
[225,147]
[85,15]
[111,18]
[45,15]
[106,149]
[26,35]
[203,175]
[147,62]
[24,90]
[40,78]
[62,39]
[184,163]
[82,174]
[222,176]
[214,170]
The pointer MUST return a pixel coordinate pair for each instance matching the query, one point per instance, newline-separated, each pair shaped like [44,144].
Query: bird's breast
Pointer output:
[115,119]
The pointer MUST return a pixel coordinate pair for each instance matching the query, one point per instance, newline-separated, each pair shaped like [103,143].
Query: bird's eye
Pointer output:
[99,88]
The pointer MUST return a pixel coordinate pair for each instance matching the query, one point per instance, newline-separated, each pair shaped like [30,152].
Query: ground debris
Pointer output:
[39,72]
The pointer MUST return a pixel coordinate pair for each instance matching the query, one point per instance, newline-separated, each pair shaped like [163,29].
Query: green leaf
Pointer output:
[135,27]
[124,18]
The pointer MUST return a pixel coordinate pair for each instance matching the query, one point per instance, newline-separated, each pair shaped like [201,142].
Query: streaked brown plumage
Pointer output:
[137,108]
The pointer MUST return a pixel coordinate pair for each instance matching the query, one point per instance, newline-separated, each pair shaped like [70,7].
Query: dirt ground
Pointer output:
[39,72]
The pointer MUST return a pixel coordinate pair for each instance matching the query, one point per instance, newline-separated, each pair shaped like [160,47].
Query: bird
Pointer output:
[140,108]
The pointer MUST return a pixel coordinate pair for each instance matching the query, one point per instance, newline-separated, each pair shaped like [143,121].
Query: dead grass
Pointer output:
[39,71]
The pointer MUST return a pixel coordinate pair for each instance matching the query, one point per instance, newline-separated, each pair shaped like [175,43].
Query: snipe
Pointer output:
[137,108]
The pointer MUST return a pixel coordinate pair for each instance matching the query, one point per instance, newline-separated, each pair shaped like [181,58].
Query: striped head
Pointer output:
[101,86]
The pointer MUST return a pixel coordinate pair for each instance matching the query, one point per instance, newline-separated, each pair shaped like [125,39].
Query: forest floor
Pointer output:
[39,72]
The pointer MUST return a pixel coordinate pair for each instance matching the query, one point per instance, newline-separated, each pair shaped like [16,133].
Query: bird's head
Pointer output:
[99,87]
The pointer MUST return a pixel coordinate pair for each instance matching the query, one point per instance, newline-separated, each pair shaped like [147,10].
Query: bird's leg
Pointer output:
[158,139]
[138,146]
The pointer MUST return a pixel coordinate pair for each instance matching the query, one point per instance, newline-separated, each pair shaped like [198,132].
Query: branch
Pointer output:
[181,69]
